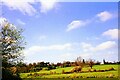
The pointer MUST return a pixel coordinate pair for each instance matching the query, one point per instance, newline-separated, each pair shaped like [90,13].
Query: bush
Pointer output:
[89,70]
[94,70]
[54,72]
[8,75]
[77,69]
[51,72]
[101,71]
[111,69]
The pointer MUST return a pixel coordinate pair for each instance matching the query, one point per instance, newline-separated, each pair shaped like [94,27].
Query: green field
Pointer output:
[57,73]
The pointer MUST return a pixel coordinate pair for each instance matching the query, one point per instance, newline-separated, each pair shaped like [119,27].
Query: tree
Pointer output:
[79,61]
[11,45]
[104,61]
[91,62]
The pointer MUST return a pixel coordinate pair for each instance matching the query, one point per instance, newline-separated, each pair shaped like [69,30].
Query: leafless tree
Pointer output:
[90,62]
[79,61]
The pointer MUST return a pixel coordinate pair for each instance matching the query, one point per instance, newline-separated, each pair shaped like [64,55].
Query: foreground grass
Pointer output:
[57,73]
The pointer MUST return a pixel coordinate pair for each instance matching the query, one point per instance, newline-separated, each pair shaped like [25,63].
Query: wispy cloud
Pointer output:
[47,5]
[112,33]
[23,6]
[34,49]
[20,22]
[27,8]
[86,46]
[105,45]
[100,47]
[76,24]
[64,52]
[104,16]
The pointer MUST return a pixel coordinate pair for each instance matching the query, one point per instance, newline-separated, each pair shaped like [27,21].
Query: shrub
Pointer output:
[111,69]
[101,70]
[89,70]
[76,69]
[51,72]
[94,70]
[54,72]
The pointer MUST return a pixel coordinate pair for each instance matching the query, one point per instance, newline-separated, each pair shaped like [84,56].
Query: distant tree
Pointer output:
[34,64]
[90,62]
[66,64]
[42,64]
[97,63]
[59,64]
[79,61]
[83,61]
[104,61]
[30,65]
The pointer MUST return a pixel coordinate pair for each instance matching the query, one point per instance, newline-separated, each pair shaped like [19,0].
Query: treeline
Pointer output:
[34,67]
[106,62]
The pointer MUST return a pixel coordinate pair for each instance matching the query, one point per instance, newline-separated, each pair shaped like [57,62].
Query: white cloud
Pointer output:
[27,8]
[104,16]
[112,33]
[86,46]
[86,55]
[105,45]
[23,6]
[20,22]
[34,49]
[47,5]
[101,47]
[76,24]
[59,53]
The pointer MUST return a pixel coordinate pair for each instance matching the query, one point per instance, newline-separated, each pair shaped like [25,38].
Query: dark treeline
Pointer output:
[106,62]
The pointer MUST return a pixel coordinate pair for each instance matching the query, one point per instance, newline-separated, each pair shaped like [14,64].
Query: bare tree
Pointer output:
[90,62]
[79,61]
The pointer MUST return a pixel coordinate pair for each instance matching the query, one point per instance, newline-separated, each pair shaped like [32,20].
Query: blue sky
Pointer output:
[62,31]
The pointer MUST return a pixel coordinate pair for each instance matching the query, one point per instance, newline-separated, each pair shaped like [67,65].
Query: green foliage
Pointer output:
[11,46]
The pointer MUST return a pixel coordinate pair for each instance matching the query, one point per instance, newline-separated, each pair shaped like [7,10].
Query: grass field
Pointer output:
[57,73]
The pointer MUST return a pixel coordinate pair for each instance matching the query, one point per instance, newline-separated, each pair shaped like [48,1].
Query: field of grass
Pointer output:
[57,73]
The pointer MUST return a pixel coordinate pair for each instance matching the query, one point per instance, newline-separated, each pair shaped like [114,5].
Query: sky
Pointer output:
[62,31]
